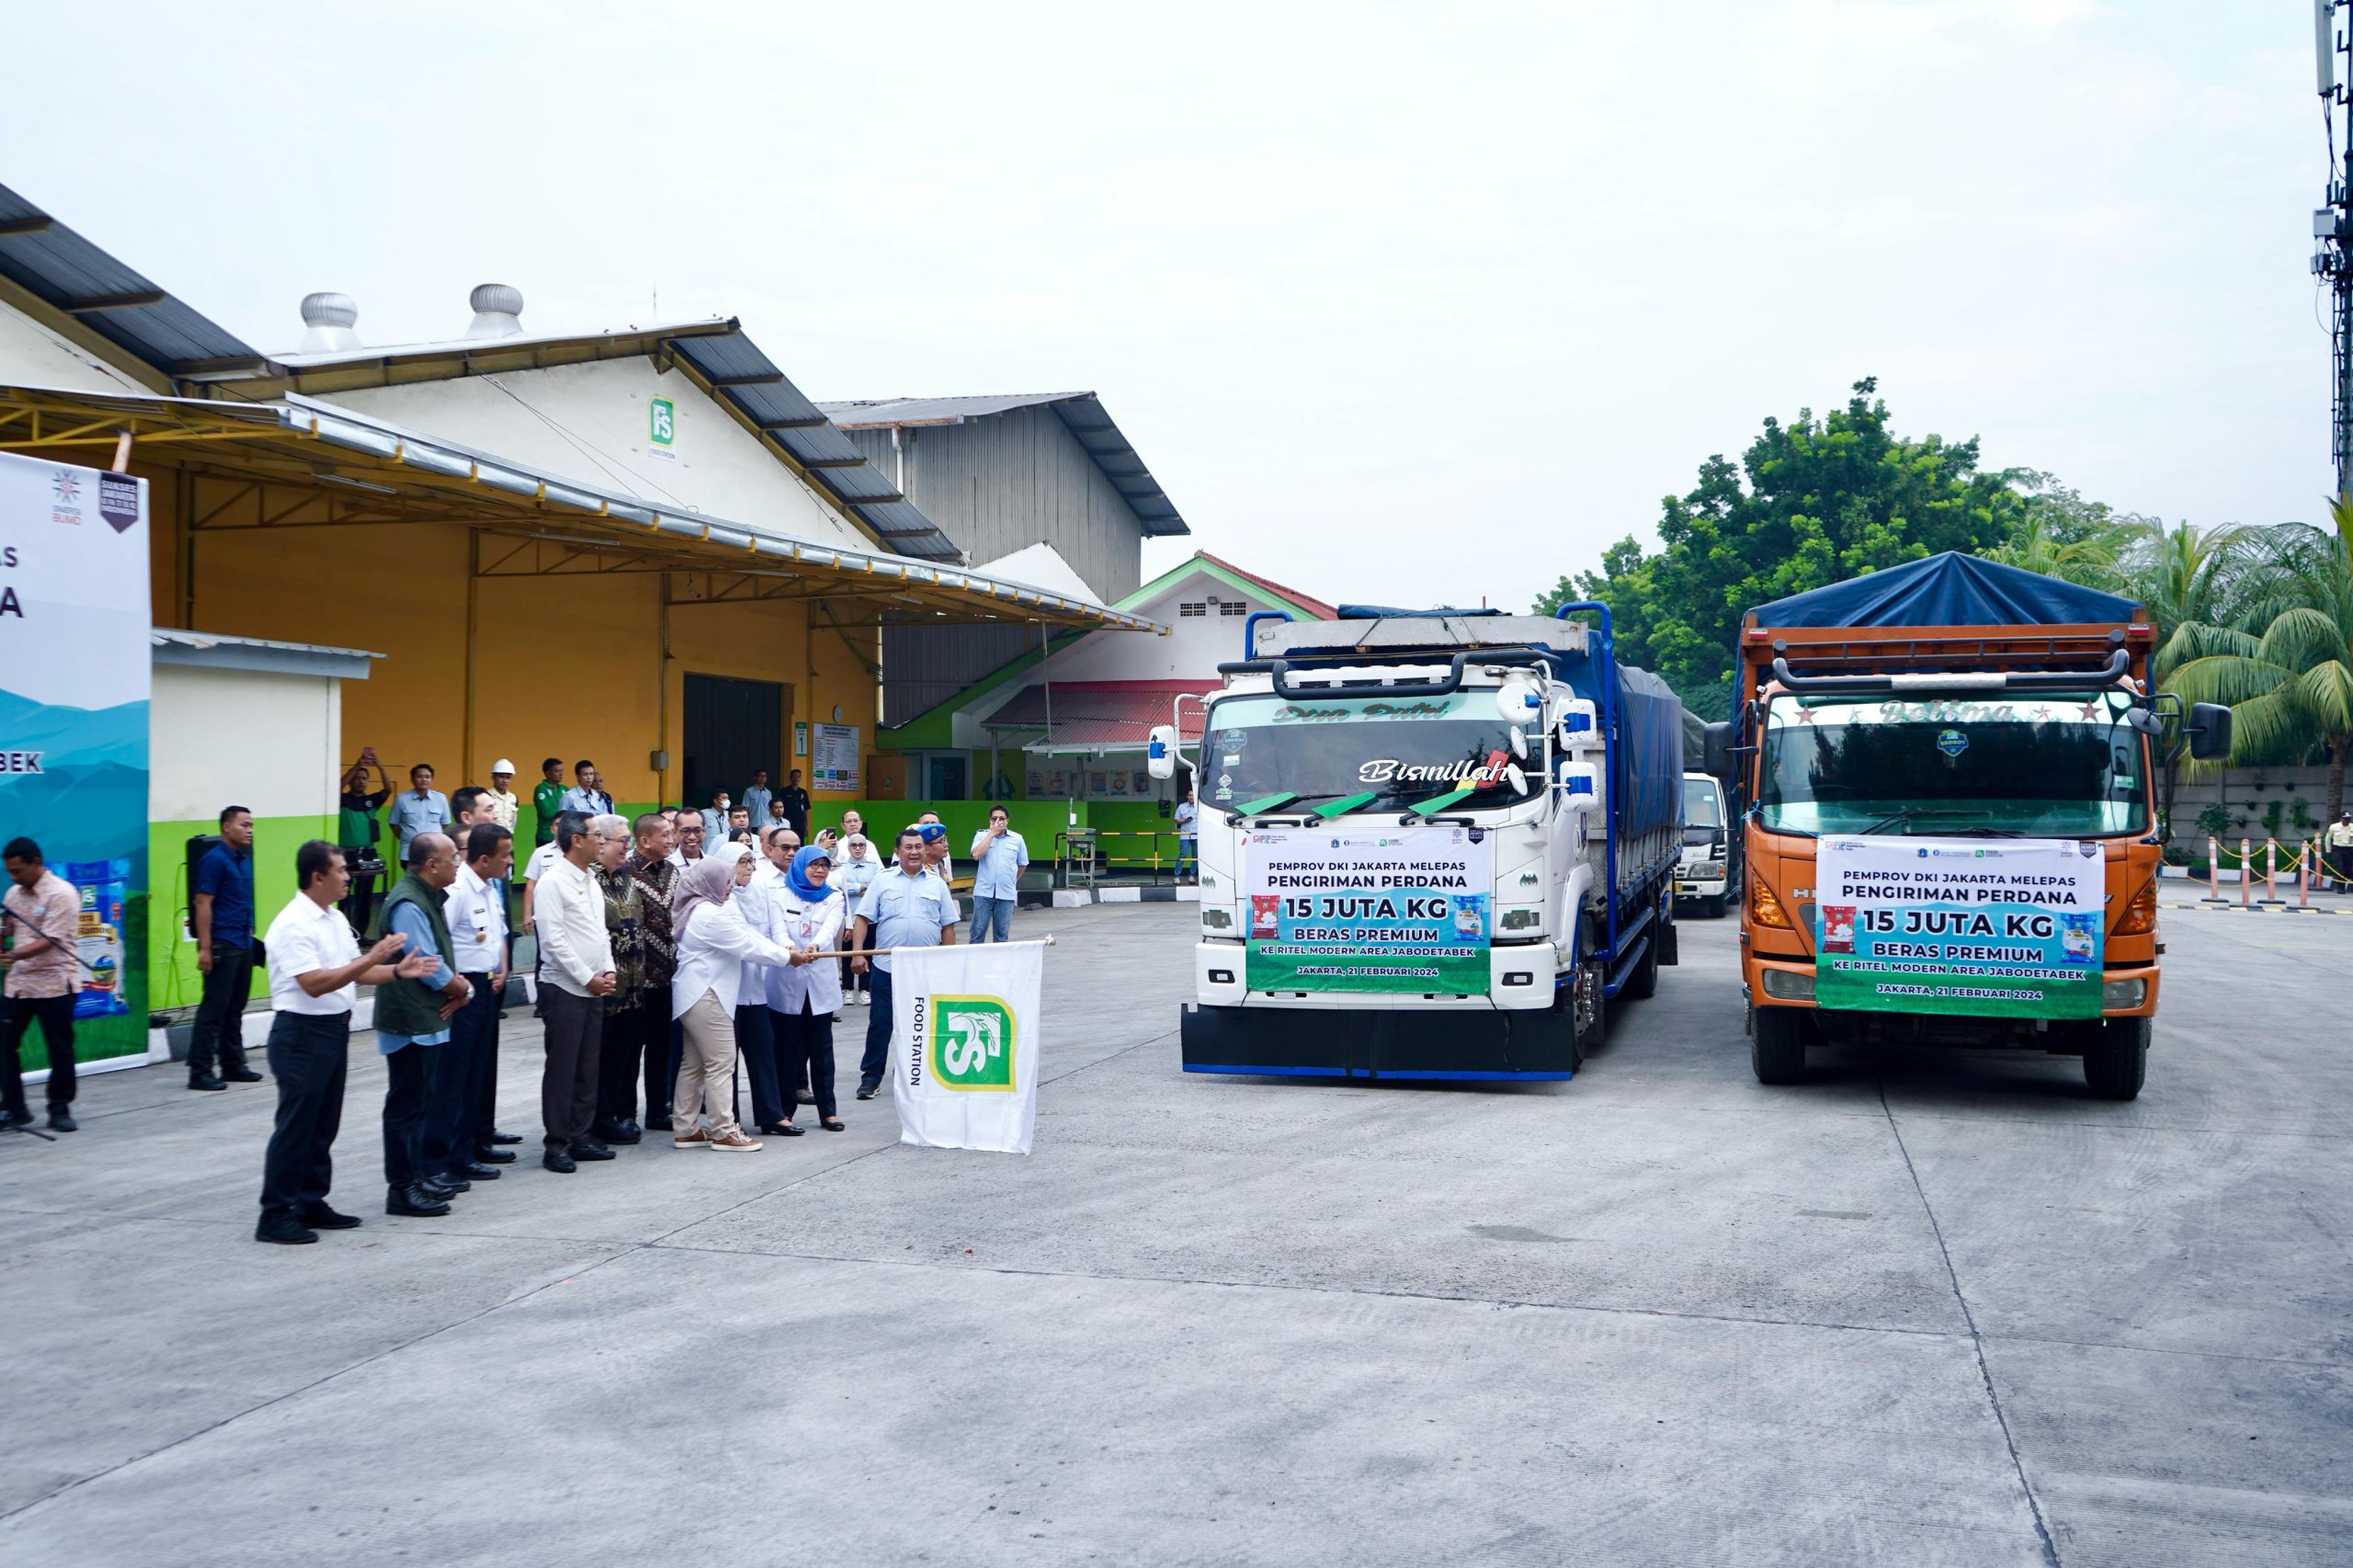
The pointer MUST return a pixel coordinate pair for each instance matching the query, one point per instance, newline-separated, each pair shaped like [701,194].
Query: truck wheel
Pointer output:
[1643,981]
[2116,1058]
[1715,907]
[1776,1044]
[1670,949]
[1588,1011]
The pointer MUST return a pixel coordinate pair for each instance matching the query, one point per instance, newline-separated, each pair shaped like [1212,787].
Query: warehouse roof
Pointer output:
[1082,413]
[101,295]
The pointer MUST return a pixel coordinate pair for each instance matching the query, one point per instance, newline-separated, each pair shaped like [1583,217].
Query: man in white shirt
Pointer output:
[457,1130]
[587,796]
[1188,840]
[315,968]
[576,976]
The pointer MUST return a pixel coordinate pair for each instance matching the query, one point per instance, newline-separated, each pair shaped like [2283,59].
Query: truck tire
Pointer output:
[2116,1058]
[1776,1044]
[1670,945]
[1642,981]
[1714,908]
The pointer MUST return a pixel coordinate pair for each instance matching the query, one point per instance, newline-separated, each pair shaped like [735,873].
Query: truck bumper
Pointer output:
[1788,982]
[1457,1044]
[1520,979]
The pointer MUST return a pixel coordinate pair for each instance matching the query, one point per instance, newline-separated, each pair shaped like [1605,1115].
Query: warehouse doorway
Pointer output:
[732,728]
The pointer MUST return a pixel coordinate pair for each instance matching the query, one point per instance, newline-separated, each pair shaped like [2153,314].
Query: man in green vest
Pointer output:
[546,800]
[413,1020]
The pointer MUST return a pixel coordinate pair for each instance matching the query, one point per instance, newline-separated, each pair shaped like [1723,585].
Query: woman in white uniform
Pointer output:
[809,914]
[715,943]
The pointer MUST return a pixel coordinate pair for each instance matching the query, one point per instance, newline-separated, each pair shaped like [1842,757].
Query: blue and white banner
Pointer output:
[74,657]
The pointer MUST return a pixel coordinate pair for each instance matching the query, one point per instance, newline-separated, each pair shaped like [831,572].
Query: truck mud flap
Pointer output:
[1300,1043]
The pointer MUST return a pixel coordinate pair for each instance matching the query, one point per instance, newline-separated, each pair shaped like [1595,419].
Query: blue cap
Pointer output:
[930,832]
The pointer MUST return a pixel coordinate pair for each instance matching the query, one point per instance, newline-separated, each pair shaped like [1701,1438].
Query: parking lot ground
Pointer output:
[1929,1308]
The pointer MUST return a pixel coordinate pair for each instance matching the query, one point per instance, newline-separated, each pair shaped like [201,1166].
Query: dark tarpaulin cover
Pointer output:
[1390,612]
[1951,589]
[1646,768]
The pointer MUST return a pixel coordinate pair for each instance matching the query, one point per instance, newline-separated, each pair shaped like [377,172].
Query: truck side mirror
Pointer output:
[1715,751]
[1160,751]
[2209,732]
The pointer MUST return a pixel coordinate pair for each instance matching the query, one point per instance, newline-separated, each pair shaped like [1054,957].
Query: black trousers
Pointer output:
[484,1117]
[309,1056]
[453,1129]
[617,1067]
[56,1016]
[568,1084]
[409,1076]
[878,1028]
[805,1046]
[756,1046]
[359,905]
[220,1038]
[650,1047]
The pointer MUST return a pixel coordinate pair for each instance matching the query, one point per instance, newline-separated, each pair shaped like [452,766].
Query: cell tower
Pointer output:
[2333,229]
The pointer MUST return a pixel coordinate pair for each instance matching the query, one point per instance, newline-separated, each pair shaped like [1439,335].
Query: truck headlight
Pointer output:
[2116,993]
[1216,919]
[1789,985]
[1709,871]
[1520,920]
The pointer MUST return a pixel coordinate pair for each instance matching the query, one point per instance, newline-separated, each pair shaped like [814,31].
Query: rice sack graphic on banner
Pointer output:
[2006,929]
[1382,911]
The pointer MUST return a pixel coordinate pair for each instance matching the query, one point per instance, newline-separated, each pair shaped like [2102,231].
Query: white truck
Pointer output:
[1707,878]
[1433,844]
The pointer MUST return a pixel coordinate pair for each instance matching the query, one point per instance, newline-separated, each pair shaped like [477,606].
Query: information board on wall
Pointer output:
[834,760]
[74,663]
[1400,911]
[2009,928]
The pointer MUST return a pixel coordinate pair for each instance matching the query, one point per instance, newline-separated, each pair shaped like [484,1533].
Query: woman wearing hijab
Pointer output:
[715,943]
[810,914]
[851,878]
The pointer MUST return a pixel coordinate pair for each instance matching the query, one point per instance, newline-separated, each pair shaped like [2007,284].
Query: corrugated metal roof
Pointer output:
[481,346]
[74,277]
[1082,413]
[739,374]
[216,650]
[187,639]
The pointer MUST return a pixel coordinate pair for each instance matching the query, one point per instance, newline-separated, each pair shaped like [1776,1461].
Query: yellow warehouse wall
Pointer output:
[564,665]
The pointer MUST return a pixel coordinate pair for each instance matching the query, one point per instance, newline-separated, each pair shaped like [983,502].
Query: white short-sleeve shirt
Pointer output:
[303,939]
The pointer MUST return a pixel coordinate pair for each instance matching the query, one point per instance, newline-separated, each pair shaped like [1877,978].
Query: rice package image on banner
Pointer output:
[2009,928]
[963,1062]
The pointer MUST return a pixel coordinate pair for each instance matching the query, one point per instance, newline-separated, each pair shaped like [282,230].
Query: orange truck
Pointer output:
[1944,773]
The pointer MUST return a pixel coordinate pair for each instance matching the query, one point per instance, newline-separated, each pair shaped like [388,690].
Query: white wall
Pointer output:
[718,467]
[33,356]
[220,737]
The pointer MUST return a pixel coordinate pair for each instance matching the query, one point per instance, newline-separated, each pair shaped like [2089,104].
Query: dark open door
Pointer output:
[733,727]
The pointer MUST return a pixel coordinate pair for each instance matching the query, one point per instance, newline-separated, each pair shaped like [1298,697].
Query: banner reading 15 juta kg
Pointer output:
[1396,911]
[2012,928]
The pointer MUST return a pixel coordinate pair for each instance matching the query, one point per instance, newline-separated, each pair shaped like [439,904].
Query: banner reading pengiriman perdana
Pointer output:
[1402,910]
[2009,928]
[75,658]
[964,1045]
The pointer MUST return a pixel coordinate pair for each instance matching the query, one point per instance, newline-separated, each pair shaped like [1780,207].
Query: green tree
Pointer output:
[1811,503]
[2286,669]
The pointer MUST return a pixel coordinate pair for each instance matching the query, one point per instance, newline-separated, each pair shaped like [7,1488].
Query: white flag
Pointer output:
[964,1045]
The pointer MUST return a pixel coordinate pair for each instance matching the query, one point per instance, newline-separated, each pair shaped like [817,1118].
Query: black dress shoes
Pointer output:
[473,1173]
[615,1132]
[204,1081]
[657,1124]
[285,1230]
[443,1187]
[589,1149]
[417,1202]
[558,1161]
[506,1138]
[62,1121]
[241,1074]
[322,1218]
[493,1156]
[20,1119]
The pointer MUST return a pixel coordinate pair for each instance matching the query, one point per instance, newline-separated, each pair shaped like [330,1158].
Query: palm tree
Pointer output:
[2089,560]
[2286,668]
[2186,574]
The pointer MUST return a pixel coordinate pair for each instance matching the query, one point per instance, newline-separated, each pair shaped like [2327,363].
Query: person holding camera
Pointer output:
[359,833]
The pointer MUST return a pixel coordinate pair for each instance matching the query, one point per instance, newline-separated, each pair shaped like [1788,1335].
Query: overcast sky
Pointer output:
[1399,302]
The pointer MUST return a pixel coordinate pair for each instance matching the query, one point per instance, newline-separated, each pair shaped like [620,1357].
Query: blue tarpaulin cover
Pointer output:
[1951,589]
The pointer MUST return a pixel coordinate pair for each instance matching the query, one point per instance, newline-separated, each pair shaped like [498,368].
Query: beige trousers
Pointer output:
[706,1069]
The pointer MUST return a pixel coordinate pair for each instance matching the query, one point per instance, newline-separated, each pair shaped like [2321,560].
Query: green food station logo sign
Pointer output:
[662,422]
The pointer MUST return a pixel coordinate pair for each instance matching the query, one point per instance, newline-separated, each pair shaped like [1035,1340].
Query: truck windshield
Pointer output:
[2061,766]
[1402,750]
[1702,810]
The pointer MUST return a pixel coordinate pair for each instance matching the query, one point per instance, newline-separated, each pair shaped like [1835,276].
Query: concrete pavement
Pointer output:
[1928,1309]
